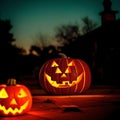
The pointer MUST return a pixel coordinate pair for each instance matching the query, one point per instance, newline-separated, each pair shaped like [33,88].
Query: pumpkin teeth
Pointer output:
[65,84]
[13,111]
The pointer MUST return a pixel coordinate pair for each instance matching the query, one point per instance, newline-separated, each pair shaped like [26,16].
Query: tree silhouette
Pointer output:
[9,52]
[36,50]
[7,40]
[67,33]
[88,25]
[43,49]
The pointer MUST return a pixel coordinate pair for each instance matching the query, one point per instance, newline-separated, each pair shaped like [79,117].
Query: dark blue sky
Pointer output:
[31,17]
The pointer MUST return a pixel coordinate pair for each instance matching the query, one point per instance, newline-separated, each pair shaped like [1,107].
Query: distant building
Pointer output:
[100,48]
[108,15]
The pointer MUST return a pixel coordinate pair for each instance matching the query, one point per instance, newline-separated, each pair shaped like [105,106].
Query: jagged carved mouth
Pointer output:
[64,84]
[15,110]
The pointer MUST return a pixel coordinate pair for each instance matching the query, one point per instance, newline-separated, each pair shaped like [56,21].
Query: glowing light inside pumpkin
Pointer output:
[13,102]
[68,70]
[54,64]
[3,93]
[65,76]
[65,84]
[22,93]
[13,111]
[71,63]
[58,71]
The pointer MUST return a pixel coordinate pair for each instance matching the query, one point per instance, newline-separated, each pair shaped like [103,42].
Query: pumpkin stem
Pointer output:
[62,55]
[11,81]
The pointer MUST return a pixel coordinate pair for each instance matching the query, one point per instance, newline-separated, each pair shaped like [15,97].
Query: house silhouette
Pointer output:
[100,48]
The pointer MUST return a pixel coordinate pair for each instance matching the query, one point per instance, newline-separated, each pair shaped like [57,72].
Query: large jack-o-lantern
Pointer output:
[15,99]
[65,76]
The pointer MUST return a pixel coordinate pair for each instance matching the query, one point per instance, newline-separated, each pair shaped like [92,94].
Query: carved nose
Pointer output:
[13,102]
[63,75]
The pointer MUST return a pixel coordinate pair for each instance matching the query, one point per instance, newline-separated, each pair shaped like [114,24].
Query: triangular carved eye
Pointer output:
[3,93]
[68,70]
[54,64]
[71,63]
[58,70]
[22,93]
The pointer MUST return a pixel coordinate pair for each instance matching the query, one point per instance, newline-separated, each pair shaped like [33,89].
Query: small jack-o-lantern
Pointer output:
[15,99]
[65,76]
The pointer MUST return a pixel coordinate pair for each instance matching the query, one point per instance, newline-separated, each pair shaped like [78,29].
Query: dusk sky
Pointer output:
[31,17]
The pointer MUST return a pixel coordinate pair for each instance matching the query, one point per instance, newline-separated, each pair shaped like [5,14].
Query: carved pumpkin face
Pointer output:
[65,76]
[14,100]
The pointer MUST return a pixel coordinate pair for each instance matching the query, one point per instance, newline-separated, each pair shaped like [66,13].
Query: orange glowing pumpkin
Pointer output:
[65,76]
[15,99]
